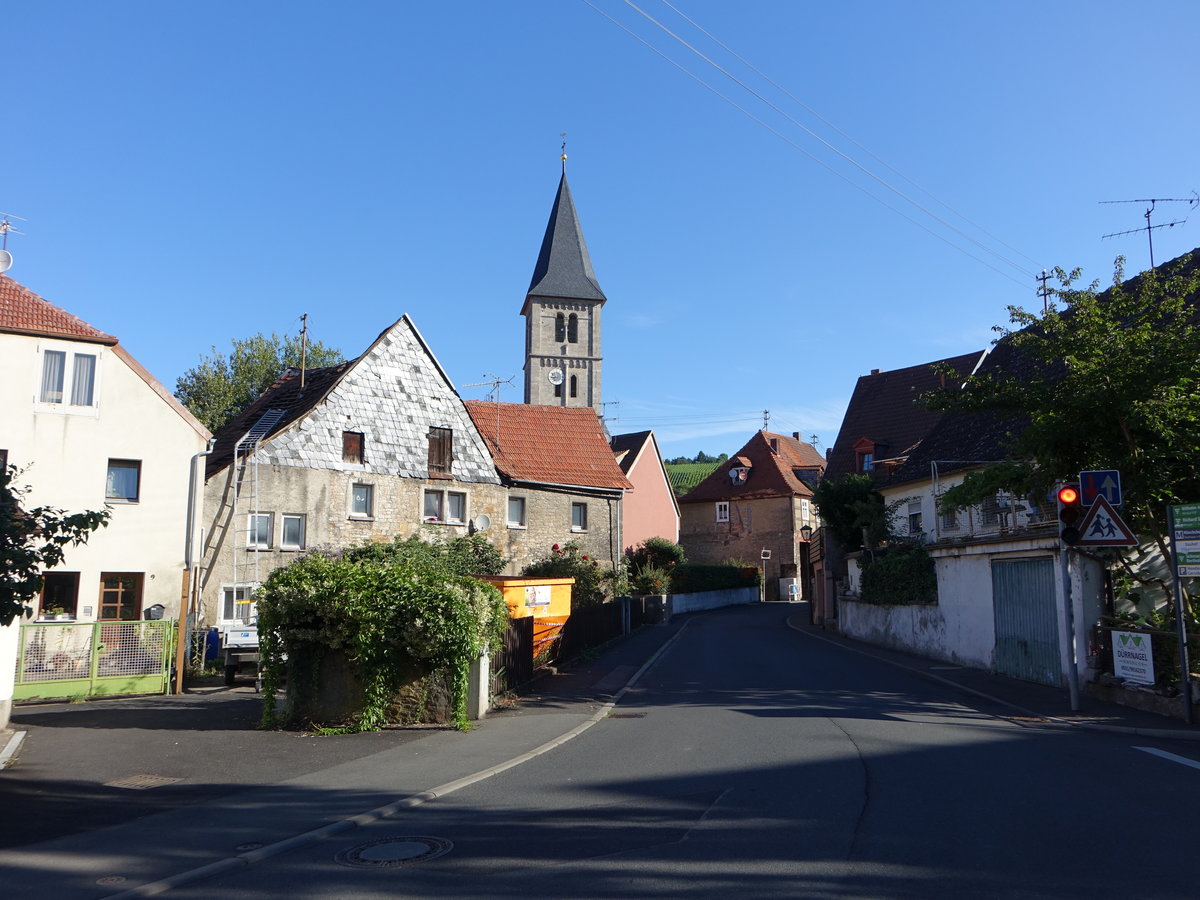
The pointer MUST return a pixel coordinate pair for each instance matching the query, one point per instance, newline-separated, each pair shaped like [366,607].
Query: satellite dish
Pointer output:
[481,522]
[5,261]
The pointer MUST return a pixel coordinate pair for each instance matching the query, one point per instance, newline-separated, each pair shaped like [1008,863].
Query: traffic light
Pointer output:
[1070,511]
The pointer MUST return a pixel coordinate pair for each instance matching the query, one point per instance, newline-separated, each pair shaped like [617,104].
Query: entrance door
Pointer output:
[1026,620]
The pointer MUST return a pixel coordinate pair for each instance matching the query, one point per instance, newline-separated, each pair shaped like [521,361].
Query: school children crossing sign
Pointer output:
[1102,527]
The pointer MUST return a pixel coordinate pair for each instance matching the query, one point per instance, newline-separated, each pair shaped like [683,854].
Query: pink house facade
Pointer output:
[650,509]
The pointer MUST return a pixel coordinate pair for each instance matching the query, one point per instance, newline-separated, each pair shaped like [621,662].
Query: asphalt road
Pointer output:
[753,761]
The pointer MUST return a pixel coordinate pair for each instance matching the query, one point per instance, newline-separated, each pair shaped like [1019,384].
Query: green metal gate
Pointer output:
[68,660]
[1023,600]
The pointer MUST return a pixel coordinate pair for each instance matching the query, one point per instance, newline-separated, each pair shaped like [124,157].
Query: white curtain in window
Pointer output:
[83,379]
[54,364]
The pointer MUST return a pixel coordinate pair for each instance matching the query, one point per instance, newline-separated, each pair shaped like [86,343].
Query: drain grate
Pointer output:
[394,851]
[142,782]
[614,715]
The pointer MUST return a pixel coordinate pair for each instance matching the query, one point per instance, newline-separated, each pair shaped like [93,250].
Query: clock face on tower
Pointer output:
[555,376]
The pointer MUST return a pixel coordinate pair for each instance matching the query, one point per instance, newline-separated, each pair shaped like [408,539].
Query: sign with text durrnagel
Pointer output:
[1132,657]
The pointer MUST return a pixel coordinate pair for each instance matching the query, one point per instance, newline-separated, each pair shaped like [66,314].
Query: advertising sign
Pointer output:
[1186,539]
[537,595]
[1132,659]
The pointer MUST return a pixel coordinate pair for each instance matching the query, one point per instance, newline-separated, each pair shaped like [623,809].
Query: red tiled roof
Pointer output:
[773,461]
[548,444]
[24,312]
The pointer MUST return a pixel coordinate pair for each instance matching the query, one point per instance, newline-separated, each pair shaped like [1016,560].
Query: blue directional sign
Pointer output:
[1104,483]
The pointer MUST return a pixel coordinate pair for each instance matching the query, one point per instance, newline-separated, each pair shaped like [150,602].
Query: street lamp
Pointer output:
[806,532]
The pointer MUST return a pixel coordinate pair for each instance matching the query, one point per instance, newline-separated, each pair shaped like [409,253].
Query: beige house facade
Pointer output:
[88,428]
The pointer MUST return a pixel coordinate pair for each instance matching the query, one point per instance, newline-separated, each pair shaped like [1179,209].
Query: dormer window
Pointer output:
[864,455]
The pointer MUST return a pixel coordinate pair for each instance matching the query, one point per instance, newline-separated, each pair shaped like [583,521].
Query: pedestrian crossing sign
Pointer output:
[1102,527]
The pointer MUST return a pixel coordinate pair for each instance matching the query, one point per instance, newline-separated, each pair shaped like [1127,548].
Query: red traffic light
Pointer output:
[1068,494]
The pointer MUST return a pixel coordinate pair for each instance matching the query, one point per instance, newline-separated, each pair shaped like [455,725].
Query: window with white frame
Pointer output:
[805,511]
[914,517]
[291,532]
[516,512]
[124,481]
[948,520]
[579,517]
[68,379]
[362,501]
[258,531]
[236,605]
[449,507]
[722,510]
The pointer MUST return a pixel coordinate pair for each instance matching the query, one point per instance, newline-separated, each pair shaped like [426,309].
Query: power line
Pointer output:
[796,146]
[834,127]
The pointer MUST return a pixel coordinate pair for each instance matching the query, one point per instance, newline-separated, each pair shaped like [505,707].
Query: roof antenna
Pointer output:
[303,347]
[766,418]
[6,259]
[494,381]
[1192,202]
[563,135]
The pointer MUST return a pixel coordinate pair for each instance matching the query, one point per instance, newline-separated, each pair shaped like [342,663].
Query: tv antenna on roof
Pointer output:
[1192,202]
[6,259]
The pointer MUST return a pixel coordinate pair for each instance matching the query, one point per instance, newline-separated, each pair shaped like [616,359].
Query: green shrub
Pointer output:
[899,574]
[396,611]
[569,561]
[651,580]
[690,578]
[656,552]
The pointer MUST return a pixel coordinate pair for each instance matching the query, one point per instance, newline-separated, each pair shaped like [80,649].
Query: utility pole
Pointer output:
[1044,292]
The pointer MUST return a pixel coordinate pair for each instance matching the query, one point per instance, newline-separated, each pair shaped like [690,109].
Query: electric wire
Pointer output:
[758,96]
[779,87]
[801,149]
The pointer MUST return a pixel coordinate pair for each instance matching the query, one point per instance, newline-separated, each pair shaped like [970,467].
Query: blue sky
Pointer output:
[192,173]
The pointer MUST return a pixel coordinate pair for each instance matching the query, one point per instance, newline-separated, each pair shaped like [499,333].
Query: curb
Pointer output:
[11,748]
[1051,720]
[229,864]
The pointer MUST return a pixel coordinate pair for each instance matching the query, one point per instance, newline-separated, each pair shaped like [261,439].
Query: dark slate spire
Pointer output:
[564,268]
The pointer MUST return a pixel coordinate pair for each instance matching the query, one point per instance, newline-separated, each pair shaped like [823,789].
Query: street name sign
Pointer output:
[1104,483]
[1186,539]
[1102,527]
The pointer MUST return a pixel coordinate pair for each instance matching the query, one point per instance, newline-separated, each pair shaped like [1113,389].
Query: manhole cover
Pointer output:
[110,880]
[249,845]
[142,782]
[394,851]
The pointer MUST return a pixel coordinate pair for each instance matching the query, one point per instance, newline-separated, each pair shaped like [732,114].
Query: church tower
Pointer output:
[562,314]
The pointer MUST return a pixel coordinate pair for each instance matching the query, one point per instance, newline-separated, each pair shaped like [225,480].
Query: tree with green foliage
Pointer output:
[31,541]
[1099,381]
[391,613]
[222,386]
[851,507]
[651,563]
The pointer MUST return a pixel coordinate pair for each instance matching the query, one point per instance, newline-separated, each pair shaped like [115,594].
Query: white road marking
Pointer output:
[1182,760]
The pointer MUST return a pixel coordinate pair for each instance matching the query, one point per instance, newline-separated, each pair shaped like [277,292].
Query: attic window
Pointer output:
[352,447]
[739,474]
[866,461]
[441,451]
